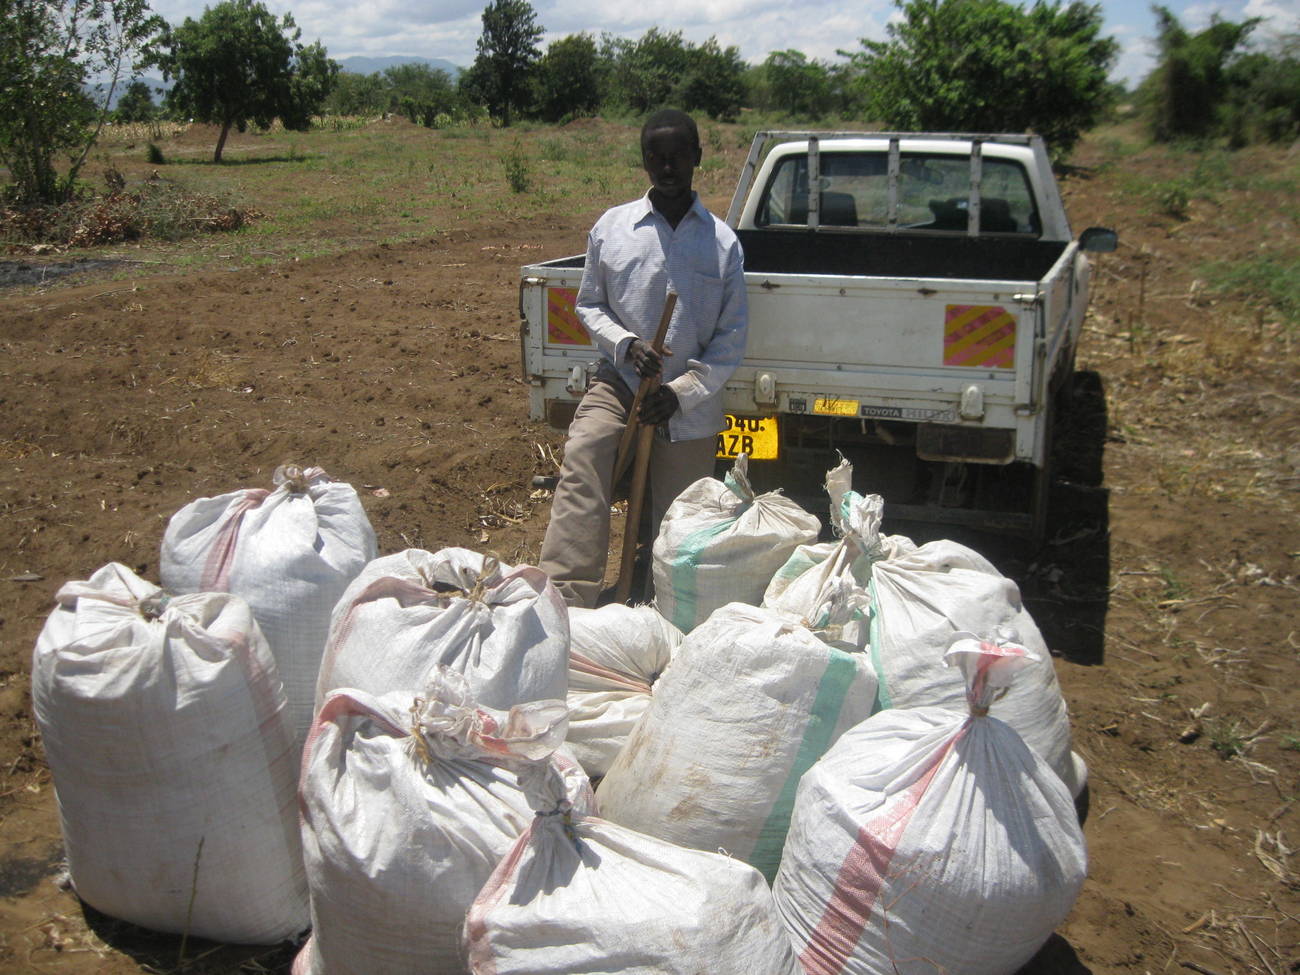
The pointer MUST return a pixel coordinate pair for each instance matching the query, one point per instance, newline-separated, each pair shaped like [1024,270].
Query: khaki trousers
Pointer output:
[576,546]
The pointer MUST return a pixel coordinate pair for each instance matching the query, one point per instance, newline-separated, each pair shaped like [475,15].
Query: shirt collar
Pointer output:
[646,209]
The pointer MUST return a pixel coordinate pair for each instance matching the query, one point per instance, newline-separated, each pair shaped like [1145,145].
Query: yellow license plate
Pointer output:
[753,435]
[827,406]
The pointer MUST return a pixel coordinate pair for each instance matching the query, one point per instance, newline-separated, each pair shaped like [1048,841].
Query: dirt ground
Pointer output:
[1167,589]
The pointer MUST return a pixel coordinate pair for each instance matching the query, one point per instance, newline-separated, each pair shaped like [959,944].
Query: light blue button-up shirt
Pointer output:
[634,257]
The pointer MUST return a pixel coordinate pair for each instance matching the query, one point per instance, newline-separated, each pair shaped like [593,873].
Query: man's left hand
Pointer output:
[658,406]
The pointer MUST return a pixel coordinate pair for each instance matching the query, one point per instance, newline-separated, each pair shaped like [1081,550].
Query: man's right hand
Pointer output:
[645,360]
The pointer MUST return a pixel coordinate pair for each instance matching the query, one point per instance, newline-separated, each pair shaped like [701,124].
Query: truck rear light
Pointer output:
[943,441]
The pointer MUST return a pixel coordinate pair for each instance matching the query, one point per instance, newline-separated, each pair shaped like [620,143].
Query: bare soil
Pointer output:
[1167,589]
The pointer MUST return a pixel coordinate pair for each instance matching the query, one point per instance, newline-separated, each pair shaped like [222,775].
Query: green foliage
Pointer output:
[500,76]
[663,69]
[154,155]
[567,79]
[136,104]
[1226,738]
[238,65]
[1262,101]
[989,66]
[48,48]
[515,164]
[1181,97]
[795,85]
[359,94]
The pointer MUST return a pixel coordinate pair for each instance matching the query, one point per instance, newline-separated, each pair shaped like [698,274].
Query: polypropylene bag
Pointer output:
[903,603]
[407,807]
[720,543]
[289,553]
[616,654]
[579,894]
[504,627]
[174,764]
[931,840]
[749,702]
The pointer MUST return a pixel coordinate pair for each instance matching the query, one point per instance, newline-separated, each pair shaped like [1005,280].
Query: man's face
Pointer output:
[669,158]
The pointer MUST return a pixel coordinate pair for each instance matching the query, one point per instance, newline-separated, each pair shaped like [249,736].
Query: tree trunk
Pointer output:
[221,141]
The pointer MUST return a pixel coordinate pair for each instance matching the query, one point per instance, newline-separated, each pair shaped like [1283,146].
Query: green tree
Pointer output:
[798,86]
[48,50]
[567,79]
[990,66]
[643,74]
[421,92]
[1262,101]
[714,81]
[500,76]
[136,103]
[238,64]
[1182,96]
[358,94]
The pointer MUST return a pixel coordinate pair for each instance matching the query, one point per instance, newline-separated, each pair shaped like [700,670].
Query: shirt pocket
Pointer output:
[703,306]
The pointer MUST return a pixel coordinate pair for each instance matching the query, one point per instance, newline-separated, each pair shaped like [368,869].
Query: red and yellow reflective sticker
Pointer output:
[979,335]
[562,325]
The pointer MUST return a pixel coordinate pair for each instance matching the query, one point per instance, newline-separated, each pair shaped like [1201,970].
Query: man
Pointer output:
[636,254]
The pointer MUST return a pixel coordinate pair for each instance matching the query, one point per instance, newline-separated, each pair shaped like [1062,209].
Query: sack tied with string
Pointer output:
[929,839]
[289,552]
[407,807]
[504,627]
[174,765]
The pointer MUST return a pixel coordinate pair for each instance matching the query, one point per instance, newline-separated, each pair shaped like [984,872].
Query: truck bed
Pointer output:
[772,251]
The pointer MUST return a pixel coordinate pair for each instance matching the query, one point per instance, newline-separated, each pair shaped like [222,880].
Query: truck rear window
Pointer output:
[932,193]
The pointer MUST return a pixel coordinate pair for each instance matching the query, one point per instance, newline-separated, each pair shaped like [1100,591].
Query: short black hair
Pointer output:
[671,118]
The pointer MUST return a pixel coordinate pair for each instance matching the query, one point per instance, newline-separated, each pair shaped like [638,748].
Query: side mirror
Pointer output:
[1099,240]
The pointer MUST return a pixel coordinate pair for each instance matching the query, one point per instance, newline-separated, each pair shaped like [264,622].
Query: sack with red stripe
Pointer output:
[289,552]
[407,807]
[749,702]
[504,627]
[174,764]
[580,894]
[616,654]
[932,840]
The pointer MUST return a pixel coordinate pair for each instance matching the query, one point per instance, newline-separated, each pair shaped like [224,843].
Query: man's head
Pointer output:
[670,151]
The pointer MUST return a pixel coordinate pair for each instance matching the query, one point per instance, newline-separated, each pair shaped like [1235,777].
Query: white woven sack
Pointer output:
[407,807]
[289,552]
[720,543]
[616,654]
[580,894]
[747,705]
[165,729]
[930,840]
[504,627]
[903,603]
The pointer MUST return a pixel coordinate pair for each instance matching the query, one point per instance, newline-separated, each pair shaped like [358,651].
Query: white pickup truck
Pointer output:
[918,313]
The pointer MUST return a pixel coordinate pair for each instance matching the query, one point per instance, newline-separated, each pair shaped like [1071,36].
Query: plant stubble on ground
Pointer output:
[368,324]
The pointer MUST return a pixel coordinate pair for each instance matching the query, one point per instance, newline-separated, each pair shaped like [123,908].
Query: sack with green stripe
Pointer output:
[720,543]
[902,603]
[750,701]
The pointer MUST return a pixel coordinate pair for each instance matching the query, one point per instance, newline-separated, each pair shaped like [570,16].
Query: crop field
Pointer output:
[362,316]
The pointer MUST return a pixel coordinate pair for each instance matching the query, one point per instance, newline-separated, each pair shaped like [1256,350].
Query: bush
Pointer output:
[515,164]
[155,155]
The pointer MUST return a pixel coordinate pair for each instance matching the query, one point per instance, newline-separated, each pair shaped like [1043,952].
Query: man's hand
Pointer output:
[658,406]
[645,360]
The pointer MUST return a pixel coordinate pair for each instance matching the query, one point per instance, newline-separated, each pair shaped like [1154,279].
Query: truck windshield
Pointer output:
[932,193]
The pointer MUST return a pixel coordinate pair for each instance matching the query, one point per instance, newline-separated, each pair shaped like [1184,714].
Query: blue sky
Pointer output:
[448,28]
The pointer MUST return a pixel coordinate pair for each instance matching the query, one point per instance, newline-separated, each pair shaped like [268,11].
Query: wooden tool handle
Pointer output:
[648,385]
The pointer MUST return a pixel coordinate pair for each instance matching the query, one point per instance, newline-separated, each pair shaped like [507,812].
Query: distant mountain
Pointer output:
[359,64]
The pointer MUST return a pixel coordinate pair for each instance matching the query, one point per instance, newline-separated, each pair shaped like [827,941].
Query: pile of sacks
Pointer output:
[798,761]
